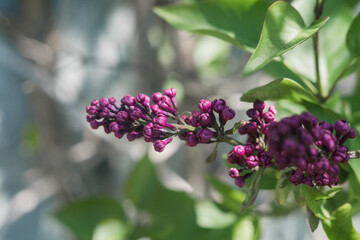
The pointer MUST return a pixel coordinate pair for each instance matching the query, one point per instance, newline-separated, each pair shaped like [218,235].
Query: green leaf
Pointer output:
[247,228]
[315,200]
[279,89]
[283,30]
[283,188]
[208,215]
[341,226]
[212,156]
[82,216]
[312,219]
[231,198]
[253,190]
[237,22]
[111,229]
[353,37]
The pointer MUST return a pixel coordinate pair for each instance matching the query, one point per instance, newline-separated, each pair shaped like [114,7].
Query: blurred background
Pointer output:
[55,58]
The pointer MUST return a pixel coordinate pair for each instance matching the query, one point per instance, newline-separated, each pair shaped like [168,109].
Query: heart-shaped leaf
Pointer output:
[283,30]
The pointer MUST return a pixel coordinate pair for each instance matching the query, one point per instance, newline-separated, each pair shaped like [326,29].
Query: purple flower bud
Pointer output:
[165,104]
[156,97]
[253,114]
[304,137]
[300,163]
[259,105]
[131,136]
[205,119]
[92,110]
[161,121]
[119,134]
[160,145]
[251,127]
[328,142]
[170,92]
[308,181]
[322,165]
[289,145]
[337,159]
[325,125]
[231,158]
[148,132]
[240,182]
[227,114]
[310,169]
[351,134]
[243,130]
[128,100]
[264,127]
[135,113]
[112,101]
[204,135]
[341,127]
[94,124]
[281,162]
[95,103]
[234,173]
[122,116]
[296,177]
[104,102]
[334,170]
[239,151]
[322,179]
[268,117]
[249,149]
[308,120]
[218,105]
[273,110]
[143,99]
[192,139]
[264,159]
[333,181]
[114,127]
[204,105]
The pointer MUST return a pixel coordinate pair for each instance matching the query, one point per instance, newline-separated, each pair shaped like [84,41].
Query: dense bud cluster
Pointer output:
[252,154]
[209,121]
[135,117]
[310,148]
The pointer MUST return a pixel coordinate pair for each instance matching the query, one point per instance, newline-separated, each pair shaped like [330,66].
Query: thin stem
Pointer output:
[231,141]
[318,11]
[354,154]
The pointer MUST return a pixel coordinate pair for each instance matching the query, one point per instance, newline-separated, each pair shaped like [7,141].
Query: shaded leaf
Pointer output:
[312,219]
[231,198]
[341,226]
[283,30]
[82,216]
[212,156]
[237,22]
[353,37]
[253,190]
[279,89]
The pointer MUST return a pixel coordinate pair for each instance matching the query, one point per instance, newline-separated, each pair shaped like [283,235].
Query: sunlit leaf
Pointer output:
[283,30]
[341,226]
[247,228]
[238,22]
[279,89]
[208,215]
[111,229]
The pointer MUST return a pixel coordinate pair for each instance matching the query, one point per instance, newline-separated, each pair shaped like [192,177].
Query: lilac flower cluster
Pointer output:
[252,154]
[310,148]
[209,121]
[135,117]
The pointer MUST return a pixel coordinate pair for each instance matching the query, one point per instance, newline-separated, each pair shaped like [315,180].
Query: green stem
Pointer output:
[318,11]
[231,141]
[187,127]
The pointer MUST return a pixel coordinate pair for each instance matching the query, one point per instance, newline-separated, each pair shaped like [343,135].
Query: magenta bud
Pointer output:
[341,127]
[204,105]
[128,100]
[351,134]
[92,110]
[159,145]
[234,173]
[252,161]
[240,182]
[131,136]
[204,135]
[218,104]
[273,110]
[205,119]
[170,92]
[253,114]
[322,179]
[227,114]
[296,177]
[239,151]
[259,105]
[192,139]
[156,97]
[104,102]
[94,124]
[95,103]
[268,117]
[112,100]
[114,127]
